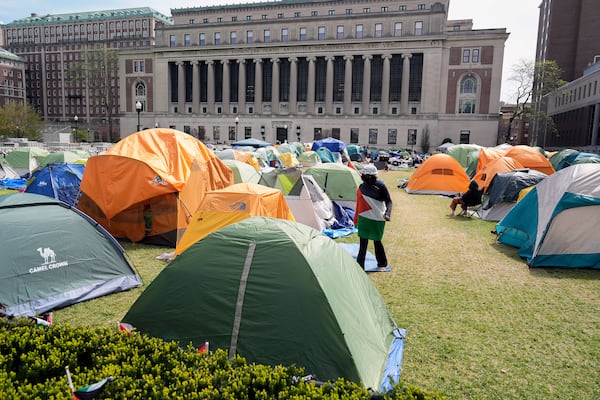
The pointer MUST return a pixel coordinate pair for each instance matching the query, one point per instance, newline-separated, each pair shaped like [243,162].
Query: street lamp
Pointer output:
[262,132]
[76,119]
[237,122]
[298,132]
[138,108]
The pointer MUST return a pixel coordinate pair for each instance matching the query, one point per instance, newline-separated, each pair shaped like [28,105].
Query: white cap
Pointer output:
[369,169]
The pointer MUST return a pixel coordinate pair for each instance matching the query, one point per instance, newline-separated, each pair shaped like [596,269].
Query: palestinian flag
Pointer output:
[91,391]
[203,349]
[45,320]
[125,327]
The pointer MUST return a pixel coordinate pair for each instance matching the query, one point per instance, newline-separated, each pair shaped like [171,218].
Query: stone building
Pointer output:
[383,73]
[12,73]
[52,45]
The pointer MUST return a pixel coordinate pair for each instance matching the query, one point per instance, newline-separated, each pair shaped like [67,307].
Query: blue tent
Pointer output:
[334,145]
[251,142]
[59,181]
[556,223]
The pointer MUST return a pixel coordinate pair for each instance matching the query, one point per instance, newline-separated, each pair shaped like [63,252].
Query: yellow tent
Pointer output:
[230,205]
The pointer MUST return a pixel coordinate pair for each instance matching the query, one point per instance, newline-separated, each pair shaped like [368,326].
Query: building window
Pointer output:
[421,7]
[248,17]
[465,136]
[284,35]
[321,33]
[280,16]
[456,28]
[411,137]
[384,9]
[232,37]
[217,37]
[475,56]
[418,28]
[317,134]
[264,16]
[378,30]
[219,19]
[187,40]
[297,14]
[466,56]
[468,85]
[402,8]
[267,36]
[392,136]
[249,37]
[340,31]
[202,39]
[314,13]
[467,102]
[359,31]
[353,135]
[398,29]
[366,10]
[205,20]
[331,12]
[372,135]
[172,41]
[302,33]
[348,11]
[234,18]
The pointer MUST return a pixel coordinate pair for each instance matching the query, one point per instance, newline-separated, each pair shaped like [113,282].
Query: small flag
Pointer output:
[45,320]
[203,349]
[90,391]
[125,327]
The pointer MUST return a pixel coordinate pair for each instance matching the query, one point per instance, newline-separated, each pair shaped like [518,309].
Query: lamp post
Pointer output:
[262,132]
[237,122]
[298,132]
[138,108]
[76,119]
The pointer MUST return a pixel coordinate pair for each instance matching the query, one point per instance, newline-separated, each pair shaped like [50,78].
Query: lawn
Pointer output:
[481,324]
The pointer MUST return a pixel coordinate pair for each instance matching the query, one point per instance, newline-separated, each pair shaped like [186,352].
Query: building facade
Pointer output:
[381,73]
[53,45]
[12,73]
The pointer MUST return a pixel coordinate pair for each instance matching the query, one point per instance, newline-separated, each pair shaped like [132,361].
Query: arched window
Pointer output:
[467,95]
[140,89]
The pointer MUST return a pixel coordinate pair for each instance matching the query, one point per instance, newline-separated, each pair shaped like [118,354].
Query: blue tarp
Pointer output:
[332,144]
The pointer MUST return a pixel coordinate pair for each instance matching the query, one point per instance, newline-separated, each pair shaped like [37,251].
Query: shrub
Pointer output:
[34,358]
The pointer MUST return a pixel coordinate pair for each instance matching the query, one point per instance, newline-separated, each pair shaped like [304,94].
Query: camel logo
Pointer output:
[48,254]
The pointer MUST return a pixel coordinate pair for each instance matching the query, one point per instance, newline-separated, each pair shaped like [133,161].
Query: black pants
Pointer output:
[379,253]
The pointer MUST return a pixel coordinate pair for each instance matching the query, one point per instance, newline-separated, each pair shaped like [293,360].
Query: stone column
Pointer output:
[226,86]
[595,125]
[292,104]
[329,86]
[195,87]
[385,85]
[180,87]
[310,100]
[348,85]
[210,86]
[258,85]
[275,87]
[241,86]
[366,92]
[405,83]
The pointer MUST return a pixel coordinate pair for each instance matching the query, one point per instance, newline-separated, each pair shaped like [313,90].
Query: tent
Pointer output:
[327,156]
[59,181]
[337,180]
[504,190]
[467,155]
[6,171]
[332,144]
[232,204]
[251,142]
[289,160]
[238,155]
[63,157]
[147,186]
[443,148]
[439,174]
[275,292]
[556,223]
[310,205]
[243,172]
[25,159]
[530,157]
[485,175]
[54,256]
[309,158]
[282,179]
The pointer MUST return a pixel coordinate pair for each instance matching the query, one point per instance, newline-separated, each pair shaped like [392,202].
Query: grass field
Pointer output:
[481,324]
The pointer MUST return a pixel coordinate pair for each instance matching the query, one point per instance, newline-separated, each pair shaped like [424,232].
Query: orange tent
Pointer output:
[146,187]
[232,204]
[439,174]
[486,155]
[501,164]
[531,157]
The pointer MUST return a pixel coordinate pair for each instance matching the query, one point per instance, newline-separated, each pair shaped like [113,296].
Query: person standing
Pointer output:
[373,210]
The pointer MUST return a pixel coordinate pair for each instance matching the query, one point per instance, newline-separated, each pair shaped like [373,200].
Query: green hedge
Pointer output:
[33,361]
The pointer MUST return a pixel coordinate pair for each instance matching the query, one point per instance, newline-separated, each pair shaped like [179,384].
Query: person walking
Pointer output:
[373,210]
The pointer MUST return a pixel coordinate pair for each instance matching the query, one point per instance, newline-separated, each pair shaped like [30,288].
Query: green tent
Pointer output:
[243,172]
[467,155]
[337,180]
[54,256]
[25,159]
[275,292]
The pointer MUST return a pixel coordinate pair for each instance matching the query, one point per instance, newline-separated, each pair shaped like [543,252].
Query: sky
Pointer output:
[519,17]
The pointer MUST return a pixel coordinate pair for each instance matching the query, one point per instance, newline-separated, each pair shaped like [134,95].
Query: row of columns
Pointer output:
[366,89]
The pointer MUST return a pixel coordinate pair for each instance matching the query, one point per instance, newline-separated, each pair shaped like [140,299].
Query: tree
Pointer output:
[20,120]
[533,80]
[97,73]
[425,140]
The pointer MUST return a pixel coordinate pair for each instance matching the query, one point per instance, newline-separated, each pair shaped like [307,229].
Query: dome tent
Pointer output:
[439,174]
[275,292]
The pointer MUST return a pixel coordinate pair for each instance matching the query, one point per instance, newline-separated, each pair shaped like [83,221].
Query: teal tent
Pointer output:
[337,180]
[54,256]
[275,292]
